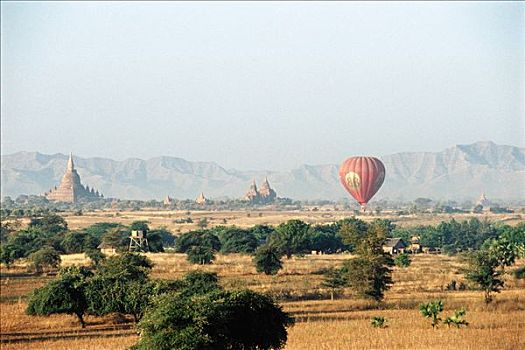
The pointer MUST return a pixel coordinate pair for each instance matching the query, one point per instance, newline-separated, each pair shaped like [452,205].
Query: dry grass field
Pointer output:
[248,218]
[343,323]
[320,323]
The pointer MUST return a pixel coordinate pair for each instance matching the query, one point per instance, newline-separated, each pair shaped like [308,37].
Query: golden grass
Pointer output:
[321,324]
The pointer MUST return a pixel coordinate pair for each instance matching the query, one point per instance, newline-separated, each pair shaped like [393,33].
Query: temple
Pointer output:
[71,189]
[201,199]
[263,196]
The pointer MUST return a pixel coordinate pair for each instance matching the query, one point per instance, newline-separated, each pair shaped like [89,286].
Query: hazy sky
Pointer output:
[260,85]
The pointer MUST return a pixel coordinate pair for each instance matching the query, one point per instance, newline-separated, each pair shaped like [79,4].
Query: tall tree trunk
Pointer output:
[81,319]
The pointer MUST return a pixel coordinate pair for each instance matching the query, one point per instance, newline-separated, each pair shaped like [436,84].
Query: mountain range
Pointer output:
[456,173]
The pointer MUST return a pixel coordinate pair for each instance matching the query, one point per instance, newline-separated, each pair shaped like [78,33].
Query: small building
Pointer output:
[394,246]
[107,249]
[415,245]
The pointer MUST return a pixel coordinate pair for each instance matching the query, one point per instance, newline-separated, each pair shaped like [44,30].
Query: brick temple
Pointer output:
[71,189]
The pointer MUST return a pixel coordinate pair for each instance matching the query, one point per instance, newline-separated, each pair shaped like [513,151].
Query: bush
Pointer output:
[267,259]
[200,255]
[378,322]
[457,320]
[432,310]
[236,240]
[45,257]
[519,273]
[217,320]
[402,260]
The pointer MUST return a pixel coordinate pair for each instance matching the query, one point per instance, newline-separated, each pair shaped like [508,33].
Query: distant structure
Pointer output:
[265,195]
[483,201]
[168,201]
[71,189]
[138,241]
[394,246]
[201,199]
[107,249]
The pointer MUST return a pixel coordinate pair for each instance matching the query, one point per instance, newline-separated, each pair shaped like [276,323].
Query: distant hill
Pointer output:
[459,172]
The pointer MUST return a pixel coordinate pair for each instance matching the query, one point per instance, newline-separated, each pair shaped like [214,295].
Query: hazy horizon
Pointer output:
[260,85]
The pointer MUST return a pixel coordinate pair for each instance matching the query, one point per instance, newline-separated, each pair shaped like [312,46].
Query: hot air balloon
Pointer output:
[362,177]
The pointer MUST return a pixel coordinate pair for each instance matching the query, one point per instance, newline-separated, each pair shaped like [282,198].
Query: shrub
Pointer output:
[200,255]
[402,260]
[519,273]
[432,310]
[45,257]
[378,322]
[267,259]
[457,319]
[217,320]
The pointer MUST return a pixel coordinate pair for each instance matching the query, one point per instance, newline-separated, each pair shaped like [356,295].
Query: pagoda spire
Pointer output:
[70,164]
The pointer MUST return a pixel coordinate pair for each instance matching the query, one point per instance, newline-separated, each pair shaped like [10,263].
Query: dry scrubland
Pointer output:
[248,218]
[321,324]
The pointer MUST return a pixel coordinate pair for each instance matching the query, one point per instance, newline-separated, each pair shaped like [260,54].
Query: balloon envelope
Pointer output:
[362,177]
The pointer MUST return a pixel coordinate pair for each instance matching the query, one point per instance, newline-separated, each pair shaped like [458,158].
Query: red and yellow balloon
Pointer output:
[362,177]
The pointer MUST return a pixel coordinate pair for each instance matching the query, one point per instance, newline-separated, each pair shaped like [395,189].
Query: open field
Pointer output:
[321,323]
[248,218]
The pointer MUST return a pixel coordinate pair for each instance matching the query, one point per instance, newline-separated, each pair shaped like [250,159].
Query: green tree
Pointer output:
[200,255]
[217,320]
[369,274]
[483,271]
[141,225]
[199,282]
[50,223]
[202,223]
[334,279]
[200,246]
[96,256]
[121,284]
[432,310]
[291,237]
[45,257]
[402,260]
[74,242]
[268,259]
[117,238]
[236,240]
[64,295]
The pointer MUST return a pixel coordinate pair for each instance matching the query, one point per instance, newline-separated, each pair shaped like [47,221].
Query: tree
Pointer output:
[141,225]
[334,279]
[45,257]
[96,256]
[267,259]
[66,294]
[50,223]
[197,238]
[73,242]
[291,237]
[483,270]
[369,274]
[217,320]
[203,223]
[432,310]
[199,282]
[236,240]
[457,319]
[262,232]
[121,284]
[402,260]
[200,255]
[117,238]
[200,246]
